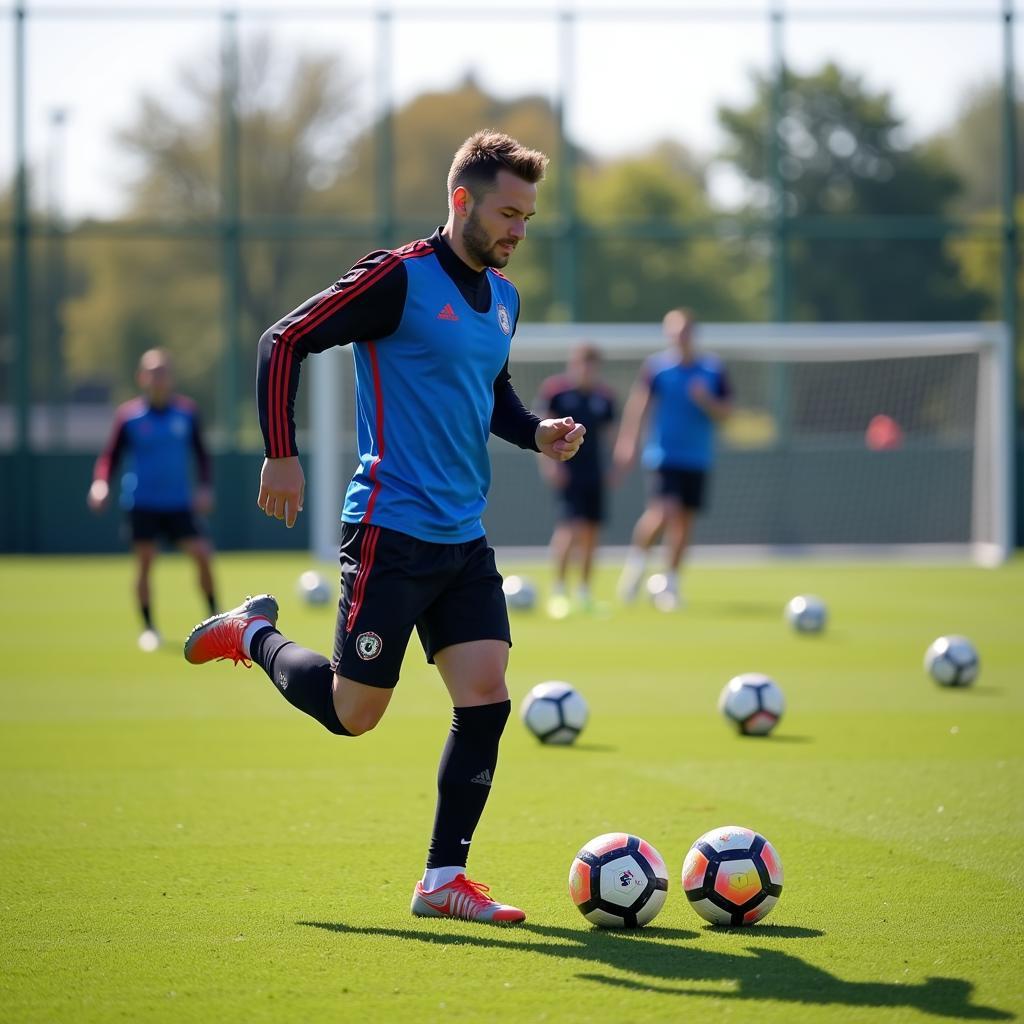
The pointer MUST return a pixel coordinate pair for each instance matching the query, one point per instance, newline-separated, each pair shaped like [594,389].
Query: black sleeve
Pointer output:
[511,420]
[365,305]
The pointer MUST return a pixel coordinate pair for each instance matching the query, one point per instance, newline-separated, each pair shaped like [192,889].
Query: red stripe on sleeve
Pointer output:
[282,364]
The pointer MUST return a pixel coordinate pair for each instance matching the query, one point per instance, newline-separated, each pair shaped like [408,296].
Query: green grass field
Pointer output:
[179,844]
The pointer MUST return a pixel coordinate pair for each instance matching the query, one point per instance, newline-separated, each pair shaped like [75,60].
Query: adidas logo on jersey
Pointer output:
[484,778]
[447,313]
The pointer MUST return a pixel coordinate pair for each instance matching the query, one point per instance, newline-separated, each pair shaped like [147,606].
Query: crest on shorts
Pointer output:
[503,319]
[368,646]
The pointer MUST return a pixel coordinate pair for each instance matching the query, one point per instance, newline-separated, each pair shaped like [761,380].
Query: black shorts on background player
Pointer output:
[685,485]
[147,524]
[583,499]
[391,582]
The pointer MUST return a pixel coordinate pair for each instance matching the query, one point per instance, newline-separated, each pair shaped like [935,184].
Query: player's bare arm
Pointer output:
[717,408]
[628,442]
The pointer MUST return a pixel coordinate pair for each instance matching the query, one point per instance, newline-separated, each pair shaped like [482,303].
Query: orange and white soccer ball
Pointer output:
[732,875]
[618,881]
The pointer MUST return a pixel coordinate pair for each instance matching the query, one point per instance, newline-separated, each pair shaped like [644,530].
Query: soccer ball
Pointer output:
[732,875]
[618,881]
[807,614]
[312,588]
[520,593]
[952,661]
[753,703]
[554,712]
[662,596]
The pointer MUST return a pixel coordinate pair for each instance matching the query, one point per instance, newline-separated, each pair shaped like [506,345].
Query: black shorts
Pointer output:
[583,499]
[149,524]
[687,486]
[391,582]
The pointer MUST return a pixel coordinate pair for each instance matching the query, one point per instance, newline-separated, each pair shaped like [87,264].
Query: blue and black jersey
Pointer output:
[161,442]
[681,434]
[595,409]
[430,340]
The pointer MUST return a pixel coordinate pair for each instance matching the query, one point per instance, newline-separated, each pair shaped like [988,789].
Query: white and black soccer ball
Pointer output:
[753,703]
[807,613]
[618,881]
[554,712]
[732,875]
[520,593]
[313,588]
[952,661]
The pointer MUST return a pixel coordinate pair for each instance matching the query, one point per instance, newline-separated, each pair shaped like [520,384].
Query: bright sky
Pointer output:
[639,71]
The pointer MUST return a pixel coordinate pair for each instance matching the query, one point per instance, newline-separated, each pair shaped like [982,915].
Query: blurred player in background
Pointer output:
[430,326]
[685,395]
[161,434]
[579,484]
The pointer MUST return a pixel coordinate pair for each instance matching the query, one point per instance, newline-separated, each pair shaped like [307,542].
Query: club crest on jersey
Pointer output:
[368,646]
[503,319]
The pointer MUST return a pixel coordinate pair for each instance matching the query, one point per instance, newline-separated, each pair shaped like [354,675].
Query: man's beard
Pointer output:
[479,245]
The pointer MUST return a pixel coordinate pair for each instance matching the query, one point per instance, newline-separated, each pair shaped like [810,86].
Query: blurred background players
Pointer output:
[579,483]
[684,395]
[161,433]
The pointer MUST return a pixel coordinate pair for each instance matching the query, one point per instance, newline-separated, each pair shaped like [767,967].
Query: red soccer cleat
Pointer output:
[464,899]
[220,636]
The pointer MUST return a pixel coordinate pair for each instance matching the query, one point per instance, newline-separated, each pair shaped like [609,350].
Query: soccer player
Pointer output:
[581,394]
[161,433]
[686,395]
[430,326]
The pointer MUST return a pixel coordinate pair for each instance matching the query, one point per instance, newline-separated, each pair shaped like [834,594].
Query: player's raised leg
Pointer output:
[474,673]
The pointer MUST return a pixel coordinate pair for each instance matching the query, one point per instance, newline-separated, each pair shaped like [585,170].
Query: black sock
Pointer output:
[304,678]
[211,602]
[464,780]
[147,617]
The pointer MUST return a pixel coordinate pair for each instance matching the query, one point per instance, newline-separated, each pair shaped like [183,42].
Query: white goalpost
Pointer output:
[802,468]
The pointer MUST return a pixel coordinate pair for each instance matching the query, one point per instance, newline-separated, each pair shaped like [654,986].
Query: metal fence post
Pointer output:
[21,301]
[230,224]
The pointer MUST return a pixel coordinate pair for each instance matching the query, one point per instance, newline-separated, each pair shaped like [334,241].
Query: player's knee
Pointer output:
[489,689]
[358,721]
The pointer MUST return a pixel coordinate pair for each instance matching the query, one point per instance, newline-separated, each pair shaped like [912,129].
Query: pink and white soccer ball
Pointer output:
[618,881]
[732,875]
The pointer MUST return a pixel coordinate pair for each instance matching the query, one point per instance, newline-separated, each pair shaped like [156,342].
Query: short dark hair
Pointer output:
[477,161]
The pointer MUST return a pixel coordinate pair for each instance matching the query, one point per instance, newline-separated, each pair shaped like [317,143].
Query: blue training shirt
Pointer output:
[424,397]
[160,442]
[681,434]
[430,338]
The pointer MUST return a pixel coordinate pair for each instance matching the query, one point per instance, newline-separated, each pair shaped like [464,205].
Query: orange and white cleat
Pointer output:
[464,899]
[221,636]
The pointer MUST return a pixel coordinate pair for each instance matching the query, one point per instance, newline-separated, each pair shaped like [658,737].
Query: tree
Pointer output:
[973,147]
[841,155]
[167,290]
[629,277]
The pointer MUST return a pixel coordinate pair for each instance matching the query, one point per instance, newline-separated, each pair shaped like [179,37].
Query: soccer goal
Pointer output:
[869,440]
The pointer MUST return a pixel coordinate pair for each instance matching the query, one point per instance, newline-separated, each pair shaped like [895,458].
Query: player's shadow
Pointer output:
[658,961]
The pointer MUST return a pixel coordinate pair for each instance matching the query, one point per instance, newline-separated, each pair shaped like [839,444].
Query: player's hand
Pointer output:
[560,439]
[99,495]
[203,502]
[699,393]
[282,489]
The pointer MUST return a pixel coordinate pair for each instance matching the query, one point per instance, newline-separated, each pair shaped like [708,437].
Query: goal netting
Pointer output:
[847,439]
